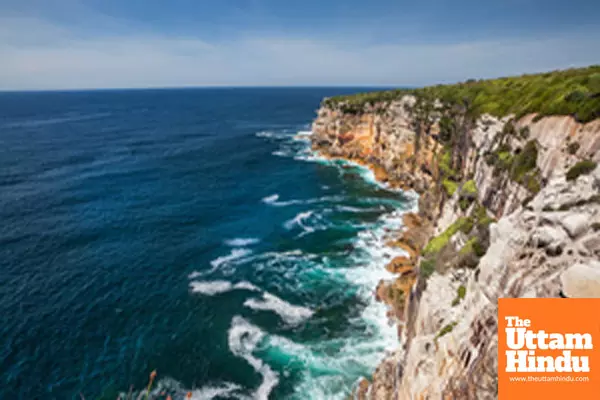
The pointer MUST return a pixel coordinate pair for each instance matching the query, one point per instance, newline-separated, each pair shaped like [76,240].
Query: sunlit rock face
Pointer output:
[543,243]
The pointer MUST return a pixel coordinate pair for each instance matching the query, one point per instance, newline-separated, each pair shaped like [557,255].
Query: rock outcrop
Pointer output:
[495,232]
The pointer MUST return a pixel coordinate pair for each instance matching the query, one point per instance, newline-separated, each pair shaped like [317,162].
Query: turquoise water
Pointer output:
[188,231]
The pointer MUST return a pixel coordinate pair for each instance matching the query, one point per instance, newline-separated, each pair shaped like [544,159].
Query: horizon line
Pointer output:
[207,87]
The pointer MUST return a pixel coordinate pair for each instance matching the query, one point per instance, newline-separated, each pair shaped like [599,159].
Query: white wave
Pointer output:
[273,200]
[283,153]
[299,220]
[195,275]
[171,386]
[265,134]
[241,242]
[211,288]
[360,210]
[245,285]
[235,254]
[274,135]
[302,136]
[243,338]
[226,389]
[290,314]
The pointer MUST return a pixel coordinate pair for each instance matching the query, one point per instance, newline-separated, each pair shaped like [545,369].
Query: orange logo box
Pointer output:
[548,349]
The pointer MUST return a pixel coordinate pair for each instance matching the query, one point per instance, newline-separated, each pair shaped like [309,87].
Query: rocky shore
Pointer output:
[509,209]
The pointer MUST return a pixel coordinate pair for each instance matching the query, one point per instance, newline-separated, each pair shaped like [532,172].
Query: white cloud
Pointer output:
[39,55]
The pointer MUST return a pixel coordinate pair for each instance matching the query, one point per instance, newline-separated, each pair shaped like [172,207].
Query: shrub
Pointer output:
[568,92]
[469,188]
[524,162]
[427,267]
[573,147]
[461,292]
[481,216]
[446,330]
[450,186]
[472,247]
[581,168]
[438,242]
[444,164]
[464,203]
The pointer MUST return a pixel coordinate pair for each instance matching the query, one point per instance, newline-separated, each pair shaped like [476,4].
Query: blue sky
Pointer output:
[69,44]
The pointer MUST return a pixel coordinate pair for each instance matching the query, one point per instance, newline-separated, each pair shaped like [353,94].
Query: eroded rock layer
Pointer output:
[512,222]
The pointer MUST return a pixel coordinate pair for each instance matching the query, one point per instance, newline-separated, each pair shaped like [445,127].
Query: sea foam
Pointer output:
[241,242]
[211,288]
[243,338]
[290,314]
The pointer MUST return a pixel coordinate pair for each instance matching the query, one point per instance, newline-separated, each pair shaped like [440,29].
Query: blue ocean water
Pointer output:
[192,232]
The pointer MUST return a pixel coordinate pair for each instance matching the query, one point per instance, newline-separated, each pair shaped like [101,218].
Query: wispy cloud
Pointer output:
[37,54]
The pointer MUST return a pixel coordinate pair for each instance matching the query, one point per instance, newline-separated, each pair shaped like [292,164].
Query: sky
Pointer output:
[81,44]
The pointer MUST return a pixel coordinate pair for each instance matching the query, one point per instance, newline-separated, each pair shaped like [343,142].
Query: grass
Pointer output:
[427,267]
[481,216]
[473,246]
[444,164]
[446,330]
[461,292]
[581,168]
[522,167]
[450,186]
[524,162]
[573,92]
[469,188]
[438,242]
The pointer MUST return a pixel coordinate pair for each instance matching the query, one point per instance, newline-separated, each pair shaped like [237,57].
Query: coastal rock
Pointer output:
[575,223]
[582,280]
[399,265]
[542,241]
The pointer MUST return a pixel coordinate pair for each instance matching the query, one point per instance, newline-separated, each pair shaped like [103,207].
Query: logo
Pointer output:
[548,348]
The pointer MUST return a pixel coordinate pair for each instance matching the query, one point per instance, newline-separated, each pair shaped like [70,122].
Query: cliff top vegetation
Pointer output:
[573,92]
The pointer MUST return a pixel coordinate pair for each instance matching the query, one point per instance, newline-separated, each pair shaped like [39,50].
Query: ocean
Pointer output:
[192,232]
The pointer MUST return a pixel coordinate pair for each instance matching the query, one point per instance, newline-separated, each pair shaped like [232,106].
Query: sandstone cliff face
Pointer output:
[545,241]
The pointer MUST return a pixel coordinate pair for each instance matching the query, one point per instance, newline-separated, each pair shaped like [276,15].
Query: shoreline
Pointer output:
[402,267]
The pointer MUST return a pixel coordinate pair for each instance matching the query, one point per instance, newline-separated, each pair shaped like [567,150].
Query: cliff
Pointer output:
[509,207]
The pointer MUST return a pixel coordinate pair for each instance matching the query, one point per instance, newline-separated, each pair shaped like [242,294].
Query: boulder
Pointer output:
[548,236]
[582,280]
[575,223]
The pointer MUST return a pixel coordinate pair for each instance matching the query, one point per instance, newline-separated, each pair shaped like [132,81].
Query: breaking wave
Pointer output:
[211,288]
[290,314]
[243,339]
[241,242]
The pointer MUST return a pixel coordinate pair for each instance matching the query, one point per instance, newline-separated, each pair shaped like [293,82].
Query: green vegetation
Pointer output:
[573,147]
[445,164]
[569,92]
[450,186]
[438,242]
[469,188]
[473,246]
[482,219]
[446,330]
[524,162]
[520,167]
[427,267]
[468,194]
[461,292]
[581,168]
